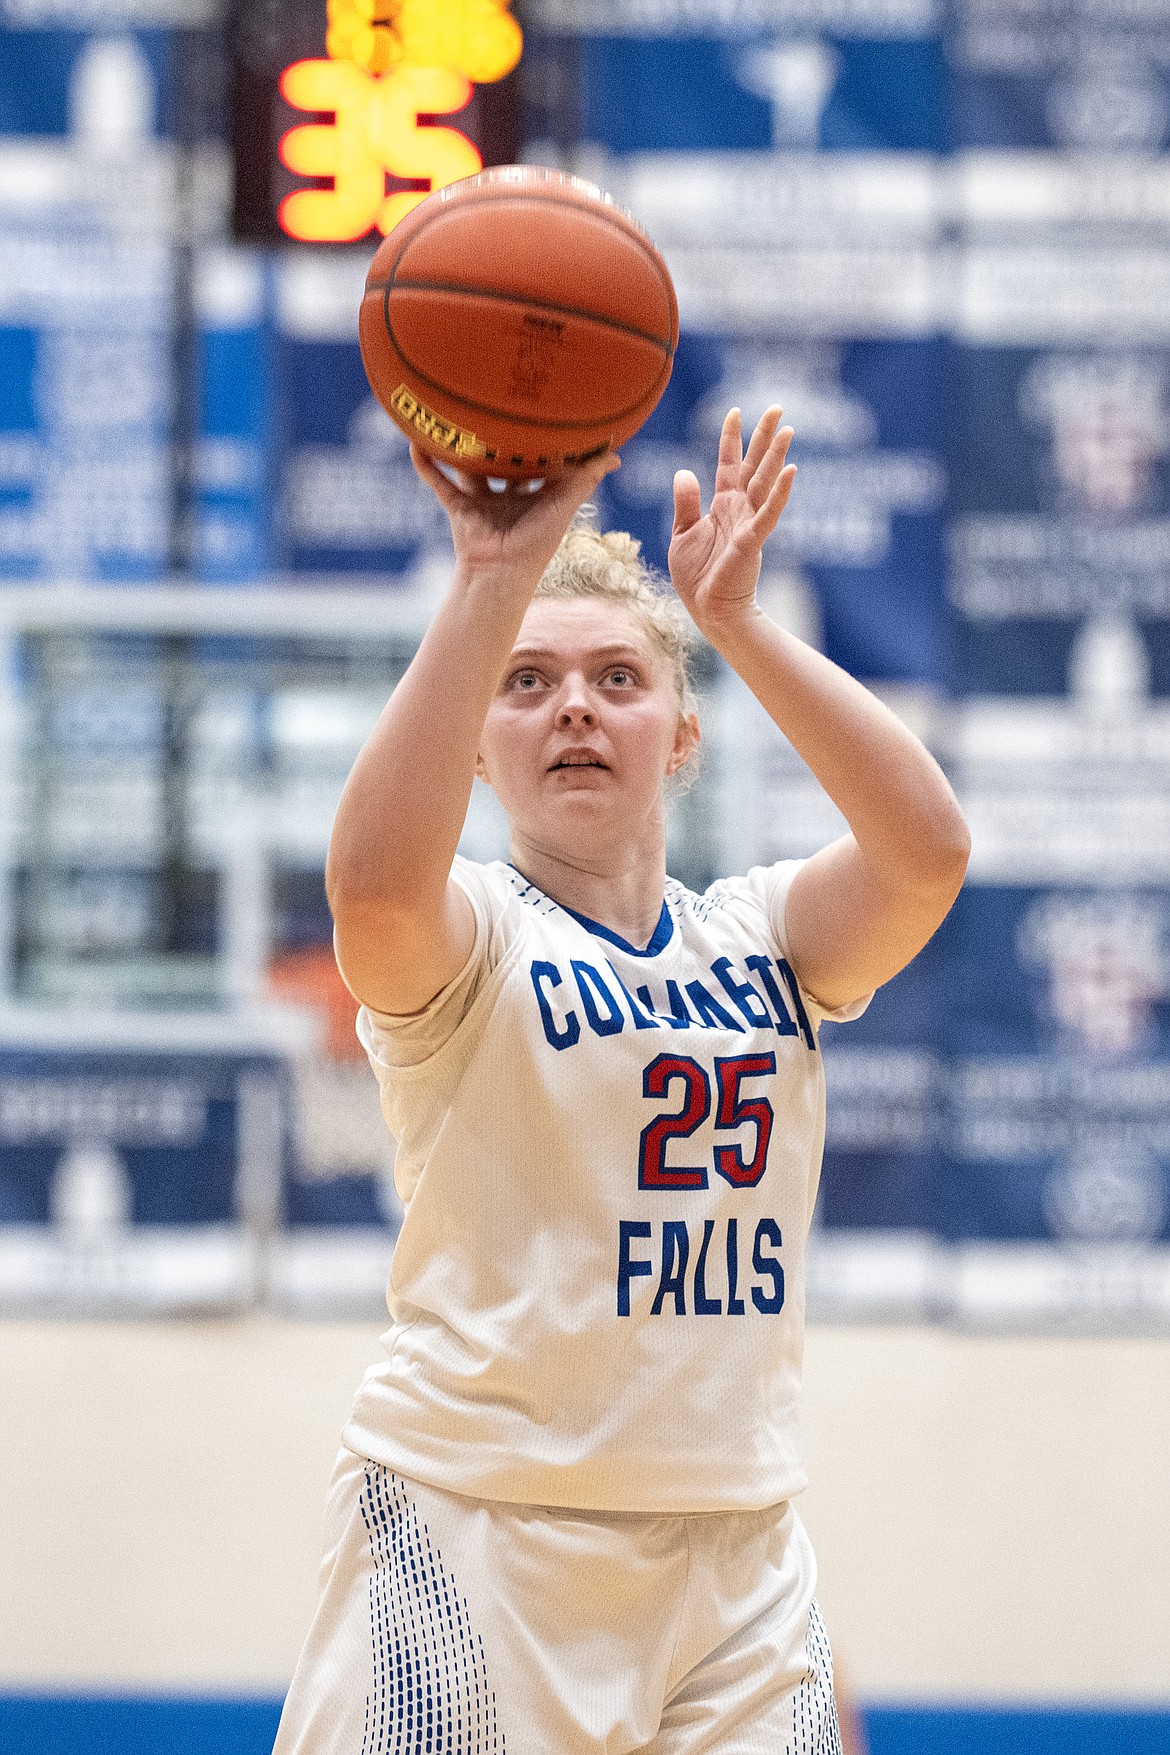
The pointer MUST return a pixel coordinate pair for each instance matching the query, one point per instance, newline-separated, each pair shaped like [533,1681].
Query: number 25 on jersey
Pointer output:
[734,1108]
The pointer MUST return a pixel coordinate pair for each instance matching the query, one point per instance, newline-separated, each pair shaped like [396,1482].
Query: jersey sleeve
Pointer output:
[400,1041]
[769,885]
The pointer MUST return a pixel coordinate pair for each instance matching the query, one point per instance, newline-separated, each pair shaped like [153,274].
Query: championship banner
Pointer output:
[1053,1187]
[86,483]
[687,75]
[1053,1190]
[231,488]
[140,1159]
[1060,533]
[863,538]
[87,305]
[1056,1196]
[347,497]
[1052,75]
[62,57]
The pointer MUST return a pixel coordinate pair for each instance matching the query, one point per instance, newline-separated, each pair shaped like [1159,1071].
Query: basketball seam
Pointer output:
[527,420]
[532,420]
[482,292]
[606,216]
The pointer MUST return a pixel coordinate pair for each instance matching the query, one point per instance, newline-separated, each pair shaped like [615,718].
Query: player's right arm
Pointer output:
[402,928]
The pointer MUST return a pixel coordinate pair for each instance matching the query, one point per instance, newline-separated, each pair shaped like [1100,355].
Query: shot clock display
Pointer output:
[339,108]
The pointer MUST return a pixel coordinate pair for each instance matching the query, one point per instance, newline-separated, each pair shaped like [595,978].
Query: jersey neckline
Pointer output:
[659,938]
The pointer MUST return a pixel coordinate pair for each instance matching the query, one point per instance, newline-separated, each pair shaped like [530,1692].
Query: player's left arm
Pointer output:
[859,910]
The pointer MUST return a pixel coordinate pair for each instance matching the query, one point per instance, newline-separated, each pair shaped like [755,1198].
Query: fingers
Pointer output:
[595,470]
[447,492]
[578,481]
[580,478]
[688,501]
[738,471]
[730,451]
[773,458]
[425,468]
[768,516]
[761,439]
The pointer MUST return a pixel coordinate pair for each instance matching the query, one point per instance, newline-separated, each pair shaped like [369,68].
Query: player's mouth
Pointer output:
[578,758]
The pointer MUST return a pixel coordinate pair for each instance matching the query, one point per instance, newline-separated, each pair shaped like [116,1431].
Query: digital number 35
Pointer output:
[733,1110]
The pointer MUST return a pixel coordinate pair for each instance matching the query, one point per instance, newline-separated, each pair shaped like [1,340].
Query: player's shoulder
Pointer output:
[751,901]
[493,883]
[506,894]
[502,896]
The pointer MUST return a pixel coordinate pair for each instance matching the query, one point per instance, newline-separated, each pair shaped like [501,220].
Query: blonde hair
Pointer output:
[610,566]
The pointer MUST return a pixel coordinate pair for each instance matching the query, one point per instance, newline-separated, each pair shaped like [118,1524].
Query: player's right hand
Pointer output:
[511,535]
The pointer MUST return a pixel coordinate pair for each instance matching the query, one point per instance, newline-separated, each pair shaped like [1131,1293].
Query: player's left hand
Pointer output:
[714,559]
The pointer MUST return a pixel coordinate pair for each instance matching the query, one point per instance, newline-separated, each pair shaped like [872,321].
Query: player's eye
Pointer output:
[525,681]
[621,677]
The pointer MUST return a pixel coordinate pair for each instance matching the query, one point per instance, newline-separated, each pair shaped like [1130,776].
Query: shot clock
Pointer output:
[346,113]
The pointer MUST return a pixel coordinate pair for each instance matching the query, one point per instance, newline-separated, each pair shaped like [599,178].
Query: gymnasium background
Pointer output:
[941,236]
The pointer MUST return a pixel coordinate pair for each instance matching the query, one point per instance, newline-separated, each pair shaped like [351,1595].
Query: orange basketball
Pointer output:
[516,321]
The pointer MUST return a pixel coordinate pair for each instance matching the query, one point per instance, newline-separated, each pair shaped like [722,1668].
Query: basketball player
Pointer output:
[561,1522]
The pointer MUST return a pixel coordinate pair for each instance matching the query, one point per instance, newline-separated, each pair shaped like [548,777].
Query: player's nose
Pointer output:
[575,705]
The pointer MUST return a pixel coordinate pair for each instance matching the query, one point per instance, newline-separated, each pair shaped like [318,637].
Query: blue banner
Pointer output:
[1058,1026]
[232,489]
[864,526]
[815,89]
[1060,503]
[1054,76]
[164,1129]
[348,499]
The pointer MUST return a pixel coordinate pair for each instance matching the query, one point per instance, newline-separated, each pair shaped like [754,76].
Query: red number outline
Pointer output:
[653,1171]
[734,1110]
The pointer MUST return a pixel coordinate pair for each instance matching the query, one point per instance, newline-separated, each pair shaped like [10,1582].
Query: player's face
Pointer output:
[584,728]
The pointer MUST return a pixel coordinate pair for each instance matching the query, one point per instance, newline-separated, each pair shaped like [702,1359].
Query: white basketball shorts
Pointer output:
[456,1626]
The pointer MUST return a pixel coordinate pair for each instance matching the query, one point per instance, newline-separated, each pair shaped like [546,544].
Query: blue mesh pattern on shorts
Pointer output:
[429,1692]
[815,1730]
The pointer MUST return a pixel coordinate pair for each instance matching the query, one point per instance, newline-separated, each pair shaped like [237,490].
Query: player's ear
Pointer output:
[687,738]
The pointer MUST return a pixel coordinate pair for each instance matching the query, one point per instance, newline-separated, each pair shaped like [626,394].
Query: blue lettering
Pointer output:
[735,1306]
[742,995]
[606,1016]
[680,1017]
[711,1014]
[591,986]
[769,1230]
[763,968]
[571,1033]
[676,1248]
[705,1306]
[629,1268]
[793,986]
[670,1256]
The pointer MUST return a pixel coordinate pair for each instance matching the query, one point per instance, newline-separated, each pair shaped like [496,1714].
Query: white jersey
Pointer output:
[608,1160]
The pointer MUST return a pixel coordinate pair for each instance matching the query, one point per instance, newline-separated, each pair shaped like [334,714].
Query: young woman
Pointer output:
[561,1520]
